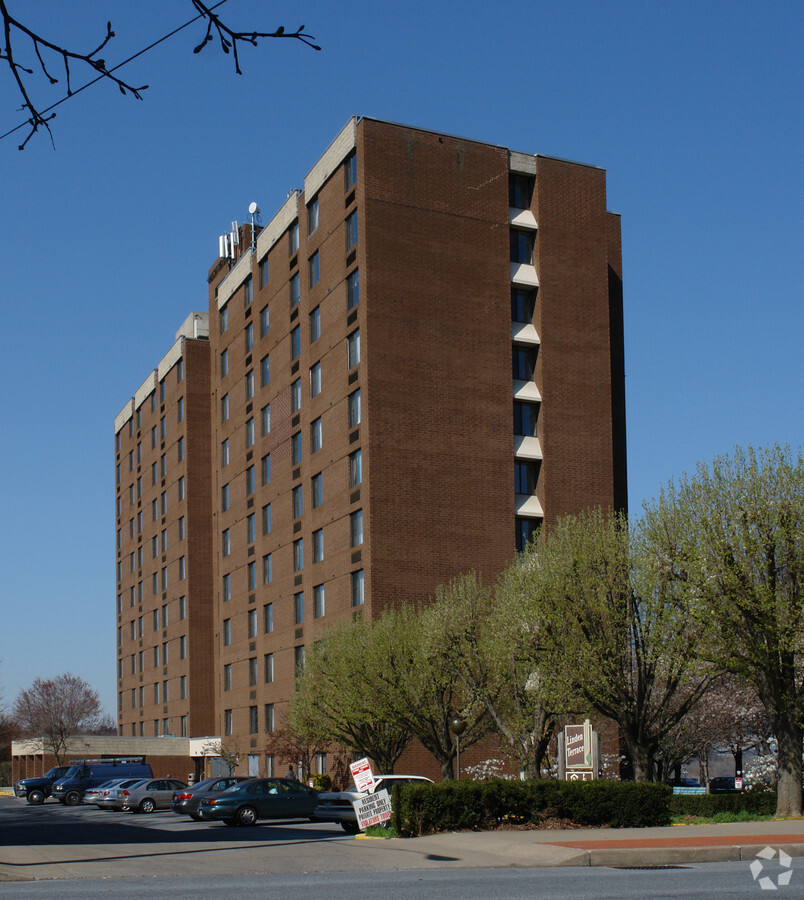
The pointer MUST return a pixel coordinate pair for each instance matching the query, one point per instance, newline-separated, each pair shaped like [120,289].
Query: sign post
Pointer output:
[362,774]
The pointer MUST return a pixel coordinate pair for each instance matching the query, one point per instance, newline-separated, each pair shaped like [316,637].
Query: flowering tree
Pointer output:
[55,709]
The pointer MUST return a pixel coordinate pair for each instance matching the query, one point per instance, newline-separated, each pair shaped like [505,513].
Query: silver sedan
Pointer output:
[145,796]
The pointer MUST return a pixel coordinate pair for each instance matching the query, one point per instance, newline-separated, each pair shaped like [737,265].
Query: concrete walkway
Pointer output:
[274,850]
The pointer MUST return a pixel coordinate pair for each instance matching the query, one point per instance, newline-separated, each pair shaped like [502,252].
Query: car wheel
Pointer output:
[350,827]
[195,817]
[36,797]
[246,815]
[147,805]
[73,798]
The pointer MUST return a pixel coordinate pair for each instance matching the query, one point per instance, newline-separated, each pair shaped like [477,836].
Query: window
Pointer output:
[163,499]
[154,547]
[154,473]
[354,408]
[226,543]
[154,439]
[227,677]
[521,243]
[350,171]
[249,385]
[252,623]
[183,647]
[268,667]
[264,321]
[268,618]
[164,578]
[252,671]
[315,435]
[227,722]
[319,603]
[263,268]
[163,464]
[163,428]
[313,269]
[182,568]
[315,325]
[298,555]
[526,416]
[251,572]
[131,460]
[295,396]
[182,607]
[224,453]
[295,343]
[265,469]
[248,335]
[353,349]
[523,363]
[227,587]
[181,487]
[139,487]
[269,727]
[317,490]
[522,305]
[265,420]
[156,692]
[180,448]
[139,444]
[355,468]
[298,655]
[352,289]
[293,238]
[296,448]
[266,519]
[520,190]
[356,527]
[265,371]
[223,318]
[312,216]
[267,569]
[527,530]
[295,293]
[224,363]
[351,230]
[526,475]
[298,608]
[225,497]
[358,596]
[247,292]
[183,696]
[315,379]
[165,616]
[227,632]
[296,495]
[249,481]
[179,414]
[165,695]
[225,408]
[251,528]
[182,529]
[249,433]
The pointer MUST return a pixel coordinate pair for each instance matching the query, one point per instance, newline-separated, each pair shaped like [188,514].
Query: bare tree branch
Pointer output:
[14,30]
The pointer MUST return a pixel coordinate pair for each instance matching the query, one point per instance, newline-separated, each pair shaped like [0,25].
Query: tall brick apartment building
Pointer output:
[416,362]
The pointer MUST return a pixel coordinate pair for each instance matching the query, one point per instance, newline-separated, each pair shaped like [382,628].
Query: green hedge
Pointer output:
[475,805]
[707,805]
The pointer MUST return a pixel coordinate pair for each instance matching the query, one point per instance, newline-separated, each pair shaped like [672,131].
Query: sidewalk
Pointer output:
[272,850]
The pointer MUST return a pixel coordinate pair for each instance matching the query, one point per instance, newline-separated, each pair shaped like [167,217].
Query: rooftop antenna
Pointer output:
[254,212]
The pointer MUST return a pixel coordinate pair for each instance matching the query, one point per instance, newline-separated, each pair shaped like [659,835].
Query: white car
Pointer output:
[336,806]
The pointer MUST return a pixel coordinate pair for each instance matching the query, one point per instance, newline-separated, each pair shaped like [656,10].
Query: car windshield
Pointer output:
[234,788]
[73,771]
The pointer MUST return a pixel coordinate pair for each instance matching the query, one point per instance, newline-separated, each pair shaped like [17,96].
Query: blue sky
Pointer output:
[694,109]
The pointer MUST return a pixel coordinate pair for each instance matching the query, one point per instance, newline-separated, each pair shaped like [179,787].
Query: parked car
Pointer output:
[336,806]
[145,796]
[684,782]
[723,784]
[90,773]
[260,798]
[104,799]
[91,794]
[37,789]
[187,800]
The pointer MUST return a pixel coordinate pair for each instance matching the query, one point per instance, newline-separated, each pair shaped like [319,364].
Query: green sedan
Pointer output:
[261,798]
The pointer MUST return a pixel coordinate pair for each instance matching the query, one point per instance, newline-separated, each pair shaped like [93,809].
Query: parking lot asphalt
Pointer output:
[53,841]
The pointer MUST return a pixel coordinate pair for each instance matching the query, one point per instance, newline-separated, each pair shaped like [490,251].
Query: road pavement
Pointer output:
[53,841]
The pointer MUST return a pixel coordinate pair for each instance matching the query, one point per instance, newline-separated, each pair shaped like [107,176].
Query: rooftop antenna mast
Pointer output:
[254,212]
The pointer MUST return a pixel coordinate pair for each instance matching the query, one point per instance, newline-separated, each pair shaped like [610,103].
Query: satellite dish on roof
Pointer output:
[253,208]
